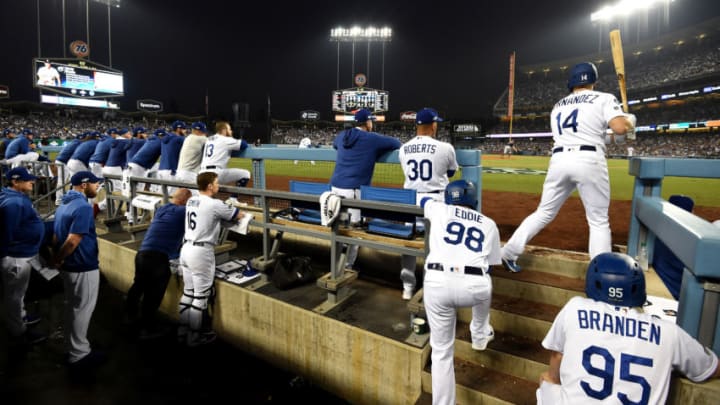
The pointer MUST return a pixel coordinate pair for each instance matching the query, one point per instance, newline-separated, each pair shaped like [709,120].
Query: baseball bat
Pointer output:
[619,61]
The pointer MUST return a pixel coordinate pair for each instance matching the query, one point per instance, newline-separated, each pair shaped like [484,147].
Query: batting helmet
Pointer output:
[617,279]
[582,73]
[461,192]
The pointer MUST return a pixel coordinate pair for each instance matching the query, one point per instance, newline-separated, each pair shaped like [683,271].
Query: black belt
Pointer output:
[201,244]
[588,148]
[431,192]
[212,167]
[478,271]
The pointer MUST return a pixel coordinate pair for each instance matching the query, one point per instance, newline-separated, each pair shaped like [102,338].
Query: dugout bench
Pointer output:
[693,240]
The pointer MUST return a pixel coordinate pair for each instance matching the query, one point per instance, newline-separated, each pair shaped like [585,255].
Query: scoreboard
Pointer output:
[350,100]
[77,78]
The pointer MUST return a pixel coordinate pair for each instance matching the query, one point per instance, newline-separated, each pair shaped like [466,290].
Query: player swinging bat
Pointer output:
[619,61]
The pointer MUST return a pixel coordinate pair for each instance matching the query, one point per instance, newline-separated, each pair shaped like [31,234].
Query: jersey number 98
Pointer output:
[472,237]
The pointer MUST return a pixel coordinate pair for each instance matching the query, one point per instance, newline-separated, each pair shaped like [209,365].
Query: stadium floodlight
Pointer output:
[109,3]
[623,8]
[359,34]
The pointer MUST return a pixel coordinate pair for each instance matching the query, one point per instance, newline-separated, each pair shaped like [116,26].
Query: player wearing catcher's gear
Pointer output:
[204,216]
[21,233]
[463,245]
[427,164]
[578,124]
[217,152]
[191,154]
[76,254]
[357,150]
[605,349]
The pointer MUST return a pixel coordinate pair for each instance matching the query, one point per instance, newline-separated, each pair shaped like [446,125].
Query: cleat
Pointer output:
[482,344]
[511,265]
[407,293]
[232,201]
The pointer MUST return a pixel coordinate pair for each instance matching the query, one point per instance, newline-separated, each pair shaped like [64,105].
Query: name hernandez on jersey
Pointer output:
[581,118]
[202,218]
[468,238]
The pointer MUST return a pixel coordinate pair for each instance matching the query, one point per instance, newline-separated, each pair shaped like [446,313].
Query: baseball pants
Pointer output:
[116,171]
[75,166]
[229,176]
[63,176]
[96,169]
[198,267]
[167,175]
[15,277]
[186,176]
[444,292]
[585,170]
[81,292]
[355,218]
[25,157]
[152,273]
[138,171]
[408,263]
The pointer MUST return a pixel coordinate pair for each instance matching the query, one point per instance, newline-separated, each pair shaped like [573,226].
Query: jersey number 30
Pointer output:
[423,169]
[472,237]
[607,374]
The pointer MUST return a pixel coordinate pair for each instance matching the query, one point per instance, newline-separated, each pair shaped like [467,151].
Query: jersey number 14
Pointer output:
[570,121]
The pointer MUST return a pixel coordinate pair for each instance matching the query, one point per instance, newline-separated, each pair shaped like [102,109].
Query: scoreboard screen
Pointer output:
[349,100]
[77,78]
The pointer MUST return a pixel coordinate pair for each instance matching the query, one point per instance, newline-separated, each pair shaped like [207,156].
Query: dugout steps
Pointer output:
[523,307]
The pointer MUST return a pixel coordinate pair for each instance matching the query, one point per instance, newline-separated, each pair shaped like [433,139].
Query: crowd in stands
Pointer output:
[325,136]
[654,68]
[651,144]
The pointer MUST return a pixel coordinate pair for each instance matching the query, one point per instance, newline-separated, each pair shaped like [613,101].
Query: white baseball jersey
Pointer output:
[217,150]
[620,355]
[47,76]
[191,153]
[582,117]
[202,218]
[461,236]
[425,162]
[305,143]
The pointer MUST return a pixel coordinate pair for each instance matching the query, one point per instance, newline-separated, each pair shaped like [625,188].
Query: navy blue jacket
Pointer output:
[166,231]
[75,215]
[357,151]
[21,229]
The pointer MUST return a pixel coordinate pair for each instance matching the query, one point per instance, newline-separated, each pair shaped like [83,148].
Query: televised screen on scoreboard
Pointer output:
[349,100]
[77,78]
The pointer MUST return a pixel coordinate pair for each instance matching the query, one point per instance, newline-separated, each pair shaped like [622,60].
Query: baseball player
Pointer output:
[305,143]
[605,349]
[21,233]
[191,154]
[21,149]
[117,157]
[204,216]
[80,159]
[509,148]
[76,254]
[217,153]
[427,164]
[142,162]
[170,153]
[99,157]
[463,245]
[136,142]
[152,267]
[61,160]
[7,136]
[47,75]
[578,124]
[357,150]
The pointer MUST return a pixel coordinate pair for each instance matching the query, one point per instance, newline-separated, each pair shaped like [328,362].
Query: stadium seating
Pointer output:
[389,223]
[308,212]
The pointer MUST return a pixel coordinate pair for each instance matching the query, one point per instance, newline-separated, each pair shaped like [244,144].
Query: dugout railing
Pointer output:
[695,241]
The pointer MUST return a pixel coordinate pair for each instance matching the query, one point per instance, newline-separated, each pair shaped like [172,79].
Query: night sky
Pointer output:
[451,55]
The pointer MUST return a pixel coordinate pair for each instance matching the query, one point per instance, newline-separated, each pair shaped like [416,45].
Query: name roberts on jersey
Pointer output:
[419,148]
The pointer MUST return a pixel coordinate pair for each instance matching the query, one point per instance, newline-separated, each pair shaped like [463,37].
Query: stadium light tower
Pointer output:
[624,9]
[358,34]
[110,5]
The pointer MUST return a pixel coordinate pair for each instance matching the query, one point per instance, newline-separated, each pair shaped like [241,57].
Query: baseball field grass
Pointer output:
[705,192]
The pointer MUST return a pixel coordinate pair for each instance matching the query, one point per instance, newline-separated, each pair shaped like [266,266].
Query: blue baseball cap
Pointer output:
[112,131]
[160,132]
[7,131]
[139,130]
[82,136]
[28,131]
[20,174]
[200,126]
[364,115]
[178,124]
[427,116]
[84,177]
[123,131]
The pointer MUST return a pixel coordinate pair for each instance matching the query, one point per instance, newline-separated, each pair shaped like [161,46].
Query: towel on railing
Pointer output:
[329,207]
